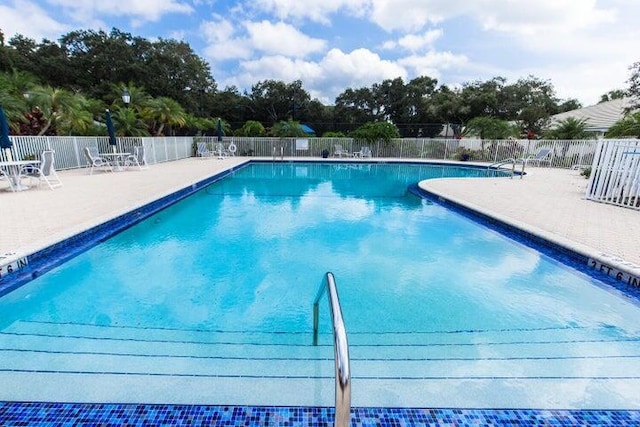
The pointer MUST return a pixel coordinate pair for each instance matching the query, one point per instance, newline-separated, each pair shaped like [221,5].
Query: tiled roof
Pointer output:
[599,117]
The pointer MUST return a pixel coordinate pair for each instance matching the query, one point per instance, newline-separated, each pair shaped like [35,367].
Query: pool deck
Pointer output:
[546,202]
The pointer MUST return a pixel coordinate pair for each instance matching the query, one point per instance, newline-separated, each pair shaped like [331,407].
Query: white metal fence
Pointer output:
[615,173]
[564,154]
[69,150]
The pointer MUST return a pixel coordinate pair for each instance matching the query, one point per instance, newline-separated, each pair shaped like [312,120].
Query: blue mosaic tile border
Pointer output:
[50,257]
[13,414]
[556,251]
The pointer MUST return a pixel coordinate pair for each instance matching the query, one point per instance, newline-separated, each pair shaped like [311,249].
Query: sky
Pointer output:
[584,48]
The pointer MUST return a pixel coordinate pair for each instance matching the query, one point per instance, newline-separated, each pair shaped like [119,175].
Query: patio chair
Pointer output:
[95,161]
[542,156]
[338,151]
[364,152]
[44,172]
[203,150]
[4,176]
[137,158]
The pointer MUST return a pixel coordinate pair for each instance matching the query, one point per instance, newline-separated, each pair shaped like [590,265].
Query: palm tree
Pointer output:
[629,125]
[569,128]
[128,123]
[163,111]
[56,105]
[139,98]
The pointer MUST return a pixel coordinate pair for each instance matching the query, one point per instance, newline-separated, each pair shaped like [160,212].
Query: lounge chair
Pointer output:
[203,150]
[44,172]
[137,158]
[542,156]
[95,161]
[338,151]
[364,152]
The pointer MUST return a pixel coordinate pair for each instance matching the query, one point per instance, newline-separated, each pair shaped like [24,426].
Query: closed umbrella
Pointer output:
[220,132]
[112,131]
[5,141]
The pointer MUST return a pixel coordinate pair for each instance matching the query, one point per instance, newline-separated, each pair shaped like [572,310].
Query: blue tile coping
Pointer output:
[13,414]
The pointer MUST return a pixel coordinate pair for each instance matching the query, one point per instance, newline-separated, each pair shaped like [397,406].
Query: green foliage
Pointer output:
[251,128]
[613,94]
[629,125]
[331,134]
[586,172]
[290,128]
[569,128]
[376,132]
[463,154]
[490,128]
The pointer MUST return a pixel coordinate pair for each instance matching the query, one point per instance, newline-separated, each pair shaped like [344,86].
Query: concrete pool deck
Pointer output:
[547,202]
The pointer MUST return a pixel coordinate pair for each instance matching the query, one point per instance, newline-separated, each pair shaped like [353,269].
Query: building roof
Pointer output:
[599,117]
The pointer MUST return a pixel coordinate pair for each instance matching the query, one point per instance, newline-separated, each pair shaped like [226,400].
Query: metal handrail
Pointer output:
[340,349]
[511,161]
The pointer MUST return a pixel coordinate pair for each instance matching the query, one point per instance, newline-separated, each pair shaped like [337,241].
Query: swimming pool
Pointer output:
[471,331]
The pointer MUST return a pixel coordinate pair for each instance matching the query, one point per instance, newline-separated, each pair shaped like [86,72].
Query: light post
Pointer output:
[126,97]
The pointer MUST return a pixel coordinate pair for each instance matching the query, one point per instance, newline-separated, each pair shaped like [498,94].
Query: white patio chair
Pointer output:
[203,150]
[364,152]
[95,161]
[137,158]
[338,151]
[44,172]
[542,156]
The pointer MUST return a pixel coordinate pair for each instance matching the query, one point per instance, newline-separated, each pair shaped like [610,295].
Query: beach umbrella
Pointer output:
[220,132]
[5,141]
[112,131]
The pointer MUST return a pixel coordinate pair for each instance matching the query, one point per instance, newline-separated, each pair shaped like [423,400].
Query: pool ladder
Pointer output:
[510,161]
[340,349]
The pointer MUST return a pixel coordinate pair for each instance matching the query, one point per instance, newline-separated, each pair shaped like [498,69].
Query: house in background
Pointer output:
[599,118]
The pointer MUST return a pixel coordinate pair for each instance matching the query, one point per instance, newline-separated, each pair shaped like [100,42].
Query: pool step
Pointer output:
[115,362]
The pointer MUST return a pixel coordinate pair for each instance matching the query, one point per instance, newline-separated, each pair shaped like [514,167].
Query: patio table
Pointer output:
[117,159]
[12,169]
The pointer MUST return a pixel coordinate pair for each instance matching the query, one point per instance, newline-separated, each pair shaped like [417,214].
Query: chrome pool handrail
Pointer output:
[511,161]
[340,349]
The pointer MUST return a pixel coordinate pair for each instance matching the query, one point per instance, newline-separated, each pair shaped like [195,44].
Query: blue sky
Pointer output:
[583,47]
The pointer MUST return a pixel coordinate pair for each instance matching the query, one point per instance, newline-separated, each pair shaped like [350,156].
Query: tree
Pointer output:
[634,87]
[613,94]
[490,128]
[161,112]
[251,128]
[57,105]
[376,132]
[627,126]
[569,128]
[289,128]
[128,123]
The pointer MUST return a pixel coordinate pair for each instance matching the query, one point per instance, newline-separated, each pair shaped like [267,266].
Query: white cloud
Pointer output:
[28,19]
[415,42]
[324,79]
[318,11]
[282,39]
[433,63]
[138,11]
[222,42]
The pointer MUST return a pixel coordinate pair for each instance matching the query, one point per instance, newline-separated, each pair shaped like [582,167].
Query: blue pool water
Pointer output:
[209,301]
